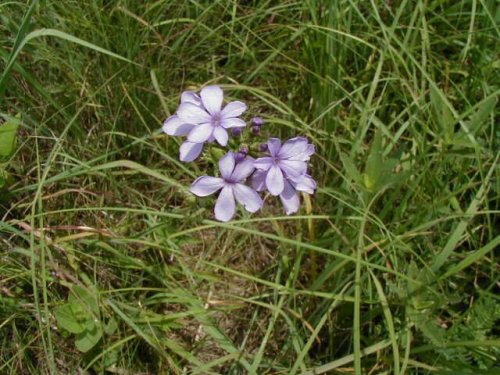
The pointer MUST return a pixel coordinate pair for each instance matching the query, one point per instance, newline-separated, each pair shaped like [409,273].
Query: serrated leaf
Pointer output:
[71,317]
[484,110]
[350,168]
[87,339]
[442,113]
[111,327]
[8,137]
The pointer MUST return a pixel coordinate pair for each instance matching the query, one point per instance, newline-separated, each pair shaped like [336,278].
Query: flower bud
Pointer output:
[257,121]
[237,132]
[244,150]
[255,130]
[239,156]
[263,147]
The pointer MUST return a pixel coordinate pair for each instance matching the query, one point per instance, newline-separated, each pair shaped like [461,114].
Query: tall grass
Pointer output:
[392,268]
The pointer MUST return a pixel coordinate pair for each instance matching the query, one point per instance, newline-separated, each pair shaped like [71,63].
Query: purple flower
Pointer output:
[210,119]
[287,161]
[283,173]
[201,119]
[177,127]
[232,175]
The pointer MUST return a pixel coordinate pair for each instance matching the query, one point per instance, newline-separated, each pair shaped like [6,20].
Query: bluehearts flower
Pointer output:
[230,186]
[283,173]
[202,118]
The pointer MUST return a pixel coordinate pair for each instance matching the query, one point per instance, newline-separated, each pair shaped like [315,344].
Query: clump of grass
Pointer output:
[391,268]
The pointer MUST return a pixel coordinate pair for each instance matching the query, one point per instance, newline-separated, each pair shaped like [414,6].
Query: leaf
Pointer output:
[87,339]
[111,327]
[8,137]
[350,168]
[442,113]
[485,108]
[3,178]
[71,317]
[87,300]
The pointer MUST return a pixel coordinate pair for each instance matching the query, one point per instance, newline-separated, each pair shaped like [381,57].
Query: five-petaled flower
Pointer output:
[284,172]
[203,119]
[232,176]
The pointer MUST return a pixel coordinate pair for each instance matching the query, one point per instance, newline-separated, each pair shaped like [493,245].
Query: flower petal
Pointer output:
[211,97]
[226,165]
[274,145]
[263,163]
[259,180]
[247,197]
[220,134]
[274,180]
[293,147]
[293,168]
[225,205]
[305,183]
[175,126]
[305,155]
[190,151]
[200,133]
[206,185]
[243,169]
[191,97]
[192,114]
[233,109]
[232,122]
[290,199]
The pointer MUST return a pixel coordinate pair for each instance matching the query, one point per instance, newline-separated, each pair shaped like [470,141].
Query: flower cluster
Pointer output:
[282,171]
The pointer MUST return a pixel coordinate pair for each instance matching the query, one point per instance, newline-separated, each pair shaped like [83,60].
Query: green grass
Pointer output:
[392,269]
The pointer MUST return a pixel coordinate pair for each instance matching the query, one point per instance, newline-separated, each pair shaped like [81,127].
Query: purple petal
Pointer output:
[206,185]
[305,183]
[247,197]
[233,109]
[191,97]
[293,168]
[192,114]
[243,169]
[290,199]
[200,133]
[211,97]
[175,126]
[263,163]
[220,134]
[190,151]
[225,205]
[226,165]
[274,180]
[259,180]
[293,147]
[232,122]
[274,145]
[305,155]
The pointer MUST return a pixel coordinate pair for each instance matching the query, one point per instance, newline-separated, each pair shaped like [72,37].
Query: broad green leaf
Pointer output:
[87,339]
[87,300]
[71,317]
[8,137]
